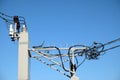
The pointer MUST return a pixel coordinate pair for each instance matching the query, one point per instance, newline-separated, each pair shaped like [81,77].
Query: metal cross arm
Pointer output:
[70,57]
[57,59]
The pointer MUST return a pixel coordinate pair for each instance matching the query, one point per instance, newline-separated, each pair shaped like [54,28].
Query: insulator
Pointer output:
[11,31]
[16,21]
[15,28]
[24,28]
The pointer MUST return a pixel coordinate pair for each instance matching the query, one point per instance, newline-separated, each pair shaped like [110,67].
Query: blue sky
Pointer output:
[63,22]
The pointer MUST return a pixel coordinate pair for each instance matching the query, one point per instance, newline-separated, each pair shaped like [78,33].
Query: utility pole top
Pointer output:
[24,29]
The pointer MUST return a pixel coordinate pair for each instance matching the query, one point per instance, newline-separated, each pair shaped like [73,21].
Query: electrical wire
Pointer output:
[90,52]
[6,15]
[60,57]
[10,20]
[51,66]
[81,63]
[69,55]
[6,20]
[94,51]
[76,60]
[111,48]
[110,42]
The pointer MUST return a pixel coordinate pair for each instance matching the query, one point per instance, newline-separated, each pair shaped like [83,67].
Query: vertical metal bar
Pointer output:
[73,67]
[73,77]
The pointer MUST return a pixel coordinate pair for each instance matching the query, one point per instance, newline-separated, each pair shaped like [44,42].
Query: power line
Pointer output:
[15,23]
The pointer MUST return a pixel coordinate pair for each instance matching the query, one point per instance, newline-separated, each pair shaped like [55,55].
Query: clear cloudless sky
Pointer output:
[60,22]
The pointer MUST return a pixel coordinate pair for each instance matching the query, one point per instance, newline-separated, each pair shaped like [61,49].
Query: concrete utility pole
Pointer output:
[23,55]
